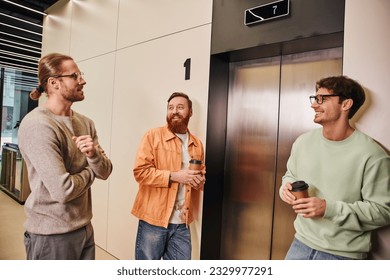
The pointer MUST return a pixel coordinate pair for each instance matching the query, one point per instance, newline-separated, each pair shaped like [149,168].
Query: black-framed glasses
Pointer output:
[77,76]
[319,98]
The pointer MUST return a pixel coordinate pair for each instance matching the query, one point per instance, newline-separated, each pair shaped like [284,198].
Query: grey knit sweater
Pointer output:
[60,176]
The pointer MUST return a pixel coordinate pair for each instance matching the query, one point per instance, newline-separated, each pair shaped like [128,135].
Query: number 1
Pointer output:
[187,66]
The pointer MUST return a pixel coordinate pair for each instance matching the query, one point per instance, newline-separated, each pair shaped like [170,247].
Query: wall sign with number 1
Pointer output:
[187,66]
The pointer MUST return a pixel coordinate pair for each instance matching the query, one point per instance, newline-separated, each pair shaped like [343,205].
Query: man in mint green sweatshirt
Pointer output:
[348,175]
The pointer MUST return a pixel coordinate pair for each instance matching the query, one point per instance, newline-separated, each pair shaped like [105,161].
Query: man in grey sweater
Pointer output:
[63,157]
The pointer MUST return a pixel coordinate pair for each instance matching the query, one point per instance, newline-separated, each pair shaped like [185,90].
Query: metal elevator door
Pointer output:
[268,108]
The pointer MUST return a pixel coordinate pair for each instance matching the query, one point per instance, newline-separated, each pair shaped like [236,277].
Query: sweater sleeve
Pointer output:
[290,175]
[100,164]
[373,210]
[40,145]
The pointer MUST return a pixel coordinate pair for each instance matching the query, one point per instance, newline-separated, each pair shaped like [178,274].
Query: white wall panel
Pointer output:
[367,59]
[57,28]
[94,28]
[146,75]
[150,19]
[97,105]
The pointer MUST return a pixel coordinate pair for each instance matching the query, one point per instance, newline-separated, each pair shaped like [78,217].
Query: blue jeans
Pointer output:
[156,243]
[299,251]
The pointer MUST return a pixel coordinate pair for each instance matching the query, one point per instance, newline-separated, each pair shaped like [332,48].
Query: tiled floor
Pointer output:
[11,231]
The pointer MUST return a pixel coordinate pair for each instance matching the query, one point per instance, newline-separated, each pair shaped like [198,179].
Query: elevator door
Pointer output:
[268,108]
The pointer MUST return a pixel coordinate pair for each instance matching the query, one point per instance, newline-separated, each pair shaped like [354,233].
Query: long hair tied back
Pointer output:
[36,93]
[48,66]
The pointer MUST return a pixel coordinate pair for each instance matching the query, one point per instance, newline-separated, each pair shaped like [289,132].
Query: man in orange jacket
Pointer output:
[166,185]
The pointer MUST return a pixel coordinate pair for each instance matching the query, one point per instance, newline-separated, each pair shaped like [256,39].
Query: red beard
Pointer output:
[178,126]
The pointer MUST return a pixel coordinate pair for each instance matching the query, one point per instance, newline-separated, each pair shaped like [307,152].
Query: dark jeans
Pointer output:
[75,245]
[156,243]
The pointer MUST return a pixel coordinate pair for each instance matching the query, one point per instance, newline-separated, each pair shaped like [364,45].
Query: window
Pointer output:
[15,88]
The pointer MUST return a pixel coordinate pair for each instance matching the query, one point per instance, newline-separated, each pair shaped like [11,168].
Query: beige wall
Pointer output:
[132,53]
[367,59]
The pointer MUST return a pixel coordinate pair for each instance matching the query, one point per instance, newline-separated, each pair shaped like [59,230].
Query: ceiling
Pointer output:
[21,33]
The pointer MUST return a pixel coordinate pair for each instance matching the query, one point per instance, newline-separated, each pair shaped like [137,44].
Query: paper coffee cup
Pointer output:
[300,189]
[195,164]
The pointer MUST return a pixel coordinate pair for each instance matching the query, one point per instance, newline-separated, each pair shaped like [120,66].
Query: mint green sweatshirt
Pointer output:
[353,176]
[60,176]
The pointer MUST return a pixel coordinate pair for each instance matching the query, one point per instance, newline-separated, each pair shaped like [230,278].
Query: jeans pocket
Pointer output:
[27,243]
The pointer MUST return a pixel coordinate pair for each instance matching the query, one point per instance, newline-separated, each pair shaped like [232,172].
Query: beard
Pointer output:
[178,126]
[73,95]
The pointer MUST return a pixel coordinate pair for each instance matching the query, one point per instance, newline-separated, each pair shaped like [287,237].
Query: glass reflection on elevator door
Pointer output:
[267,108]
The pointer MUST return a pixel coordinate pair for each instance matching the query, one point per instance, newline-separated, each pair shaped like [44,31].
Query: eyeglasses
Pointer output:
[75,76]
[319,98]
